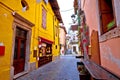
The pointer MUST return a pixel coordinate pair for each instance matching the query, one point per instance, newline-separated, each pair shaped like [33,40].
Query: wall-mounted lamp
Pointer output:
[73,18]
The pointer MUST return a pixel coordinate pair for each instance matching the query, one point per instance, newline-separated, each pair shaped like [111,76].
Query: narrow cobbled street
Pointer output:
[64,68]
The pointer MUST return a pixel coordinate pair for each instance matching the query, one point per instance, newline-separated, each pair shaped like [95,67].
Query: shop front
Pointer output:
[45,51]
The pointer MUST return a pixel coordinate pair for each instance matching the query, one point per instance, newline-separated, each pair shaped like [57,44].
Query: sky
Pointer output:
[66,10]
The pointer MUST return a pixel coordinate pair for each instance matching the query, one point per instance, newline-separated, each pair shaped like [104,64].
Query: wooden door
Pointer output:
[95,49]
[19,51]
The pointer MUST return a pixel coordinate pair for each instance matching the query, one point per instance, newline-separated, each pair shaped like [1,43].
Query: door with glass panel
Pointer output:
[19,50]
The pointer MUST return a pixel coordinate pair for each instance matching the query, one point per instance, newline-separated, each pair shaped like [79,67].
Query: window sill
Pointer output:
[110,34]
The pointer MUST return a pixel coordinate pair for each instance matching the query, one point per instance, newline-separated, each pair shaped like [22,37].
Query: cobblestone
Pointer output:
[64,68]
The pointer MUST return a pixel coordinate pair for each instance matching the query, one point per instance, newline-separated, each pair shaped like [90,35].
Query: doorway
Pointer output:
[22,31]
[74,48]
[19,50]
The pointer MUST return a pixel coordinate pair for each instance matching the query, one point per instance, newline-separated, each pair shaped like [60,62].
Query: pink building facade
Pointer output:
[103,20]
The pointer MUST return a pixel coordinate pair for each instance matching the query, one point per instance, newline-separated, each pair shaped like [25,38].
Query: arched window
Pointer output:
[24,5]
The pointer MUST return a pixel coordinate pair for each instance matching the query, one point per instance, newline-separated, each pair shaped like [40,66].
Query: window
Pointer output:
[60,46]
[24,5]
[56,46]
[44,16]
[107,16]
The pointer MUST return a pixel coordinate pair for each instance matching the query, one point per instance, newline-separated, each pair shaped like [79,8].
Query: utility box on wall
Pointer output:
[2,50]
[35,53]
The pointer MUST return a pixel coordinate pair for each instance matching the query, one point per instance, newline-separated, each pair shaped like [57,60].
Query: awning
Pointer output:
[43,40]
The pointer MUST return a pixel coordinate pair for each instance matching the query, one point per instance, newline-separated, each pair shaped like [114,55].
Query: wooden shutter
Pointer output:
[106,12]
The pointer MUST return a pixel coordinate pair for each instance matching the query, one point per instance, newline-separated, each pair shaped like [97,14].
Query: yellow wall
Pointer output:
[56,51]
[34,15]
[6,31]
[49,32]
[29,14]
[17,7]
[6,39]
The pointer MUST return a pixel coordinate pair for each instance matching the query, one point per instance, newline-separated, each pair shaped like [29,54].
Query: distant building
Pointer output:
[73,39]
[62,35]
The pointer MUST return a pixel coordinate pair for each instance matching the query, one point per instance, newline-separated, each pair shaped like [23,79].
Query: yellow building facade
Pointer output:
[28,30]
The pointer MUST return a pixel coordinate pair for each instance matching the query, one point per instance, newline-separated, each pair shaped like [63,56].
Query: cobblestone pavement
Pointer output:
[64,68]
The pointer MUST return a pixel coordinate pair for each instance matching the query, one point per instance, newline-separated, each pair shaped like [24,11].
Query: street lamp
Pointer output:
[74,18]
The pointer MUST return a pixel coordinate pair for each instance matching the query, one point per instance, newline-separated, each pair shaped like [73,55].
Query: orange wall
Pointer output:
[90,9]
[110,55]
[62,36]
[110,49]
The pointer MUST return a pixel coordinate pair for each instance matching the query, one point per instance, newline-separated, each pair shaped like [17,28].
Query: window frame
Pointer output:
[104,28]
[44,18]
[112,33]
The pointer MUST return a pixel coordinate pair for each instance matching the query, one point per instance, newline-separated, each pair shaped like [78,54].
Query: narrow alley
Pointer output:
[64,68]
[59,39]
